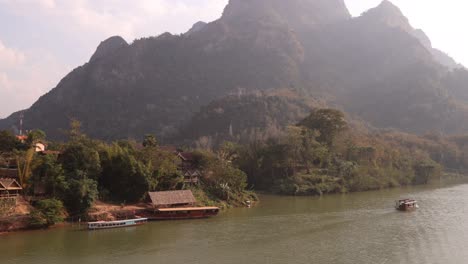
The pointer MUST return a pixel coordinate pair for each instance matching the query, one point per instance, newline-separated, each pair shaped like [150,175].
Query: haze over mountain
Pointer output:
[375,66]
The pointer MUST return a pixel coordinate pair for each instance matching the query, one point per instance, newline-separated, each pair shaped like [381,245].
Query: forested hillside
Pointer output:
[375,67]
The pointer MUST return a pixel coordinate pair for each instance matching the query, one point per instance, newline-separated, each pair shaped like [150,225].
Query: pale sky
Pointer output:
[43,40]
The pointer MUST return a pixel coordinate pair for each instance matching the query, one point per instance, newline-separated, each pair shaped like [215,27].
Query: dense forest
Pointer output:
[73,175]
[322,153]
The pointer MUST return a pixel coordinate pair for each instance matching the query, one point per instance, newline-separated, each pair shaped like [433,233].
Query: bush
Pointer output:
[47,213]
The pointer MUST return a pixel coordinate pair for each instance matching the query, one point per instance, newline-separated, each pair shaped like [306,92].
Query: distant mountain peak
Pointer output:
[298,14]
[197,27]
[389,14]
[108,47]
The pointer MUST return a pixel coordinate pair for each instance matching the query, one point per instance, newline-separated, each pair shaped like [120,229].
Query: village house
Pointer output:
[191,174]
[175,205]
[9,188]
[171,199]
[40,147]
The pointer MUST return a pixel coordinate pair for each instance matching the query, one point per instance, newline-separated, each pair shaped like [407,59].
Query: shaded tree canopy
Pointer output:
[329,122]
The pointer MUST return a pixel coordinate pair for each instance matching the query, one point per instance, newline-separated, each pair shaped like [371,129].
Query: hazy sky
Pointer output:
[42,40]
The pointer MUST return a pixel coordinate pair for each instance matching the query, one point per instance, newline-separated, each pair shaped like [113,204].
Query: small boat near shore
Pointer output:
[406,205]
[183,213]
[116,224]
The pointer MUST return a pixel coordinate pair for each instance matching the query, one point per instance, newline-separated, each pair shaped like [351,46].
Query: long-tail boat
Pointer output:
[406,205]
[116,224]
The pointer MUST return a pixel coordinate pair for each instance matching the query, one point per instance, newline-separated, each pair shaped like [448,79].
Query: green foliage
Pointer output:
[300,163]
[221,179]
[164,169]
[47,213]
[78,157]
[150,141]
[35,136]
[79,195]
[426,170]
[75,134]
[243,119]
[47,172]
[123,176]
[329,122]
[8,141]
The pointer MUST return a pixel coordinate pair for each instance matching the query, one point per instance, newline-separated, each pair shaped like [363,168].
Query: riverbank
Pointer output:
[306,229]
[102,211]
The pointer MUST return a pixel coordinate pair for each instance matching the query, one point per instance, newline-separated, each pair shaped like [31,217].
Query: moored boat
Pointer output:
[116,224]
[183,213]
[175,205]
[406,205]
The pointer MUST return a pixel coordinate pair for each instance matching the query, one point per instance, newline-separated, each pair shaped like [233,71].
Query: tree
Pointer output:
[123,176]
[8,141]
[75,133]
[225,181]
[426,170]
[80,195]
[221,178]
[24,161]
[165,170]
[228,151]
[150,141]
[35,136]
[79,157]
[329,122]
[49,172]
[47,213]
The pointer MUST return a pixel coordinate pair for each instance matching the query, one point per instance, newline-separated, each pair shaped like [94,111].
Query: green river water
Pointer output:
[352,228]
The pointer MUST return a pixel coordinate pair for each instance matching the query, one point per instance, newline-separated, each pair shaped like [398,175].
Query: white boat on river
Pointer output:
[116,224]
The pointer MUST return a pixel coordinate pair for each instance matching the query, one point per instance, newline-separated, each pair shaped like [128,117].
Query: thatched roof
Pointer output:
[172,198]
[9,184]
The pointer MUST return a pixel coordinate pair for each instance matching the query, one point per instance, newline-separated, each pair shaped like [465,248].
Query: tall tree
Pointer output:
[123,176]
[150,141]
[79,157]
[329,122]
[8,141]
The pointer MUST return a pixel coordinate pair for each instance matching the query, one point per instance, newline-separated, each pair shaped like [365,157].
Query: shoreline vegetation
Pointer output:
[325,153]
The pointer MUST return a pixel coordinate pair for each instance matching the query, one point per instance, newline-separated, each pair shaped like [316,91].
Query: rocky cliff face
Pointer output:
[298,14]
[376,66]
[196,27]
[109,47]
[390,15]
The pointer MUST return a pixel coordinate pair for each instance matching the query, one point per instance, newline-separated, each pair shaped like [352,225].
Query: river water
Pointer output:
[352,228]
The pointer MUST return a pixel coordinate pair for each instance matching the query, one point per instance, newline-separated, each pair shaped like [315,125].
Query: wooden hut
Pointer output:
[191,174]
[9,188]
[170,199]
[176,205]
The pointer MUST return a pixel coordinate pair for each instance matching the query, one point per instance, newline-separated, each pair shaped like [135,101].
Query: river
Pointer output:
[351,228]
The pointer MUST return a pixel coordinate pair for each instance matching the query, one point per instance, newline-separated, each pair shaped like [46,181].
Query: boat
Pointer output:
[182,213]
[116,224]
[406,205]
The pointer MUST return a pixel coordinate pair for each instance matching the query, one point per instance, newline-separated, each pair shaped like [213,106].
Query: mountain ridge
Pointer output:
[310,47]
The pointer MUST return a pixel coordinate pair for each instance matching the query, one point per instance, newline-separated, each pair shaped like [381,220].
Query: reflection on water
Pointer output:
[353,228]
